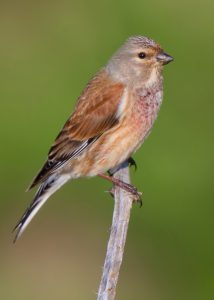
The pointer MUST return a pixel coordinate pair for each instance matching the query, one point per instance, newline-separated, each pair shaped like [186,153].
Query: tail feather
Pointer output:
[46,189]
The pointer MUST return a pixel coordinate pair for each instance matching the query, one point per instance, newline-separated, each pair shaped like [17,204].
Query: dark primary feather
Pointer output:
[35,202]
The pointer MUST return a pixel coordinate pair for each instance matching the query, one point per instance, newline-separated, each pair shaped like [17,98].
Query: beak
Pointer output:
[164,58]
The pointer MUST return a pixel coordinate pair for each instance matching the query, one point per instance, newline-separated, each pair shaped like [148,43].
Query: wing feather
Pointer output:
[95,113]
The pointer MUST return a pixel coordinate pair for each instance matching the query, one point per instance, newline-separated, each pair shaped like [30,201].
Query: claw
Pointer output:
[132,162]
[140,201]
[137,198]
[110,172]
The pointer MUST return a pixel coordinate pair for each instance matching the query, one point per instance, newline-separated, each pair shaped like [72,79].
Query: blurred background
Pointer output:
[48,52]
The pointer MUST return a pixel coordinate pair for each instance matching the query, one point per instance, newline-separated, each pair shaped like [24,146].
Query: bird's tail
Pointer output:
[46,189]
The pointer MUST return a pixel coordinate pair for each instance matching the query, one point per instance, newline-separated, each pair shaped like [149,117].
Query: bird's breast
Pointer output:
[146,107]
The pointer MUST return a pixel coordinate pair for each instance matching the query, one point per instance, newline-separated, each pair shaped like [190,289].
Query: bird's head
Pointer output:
[139,59]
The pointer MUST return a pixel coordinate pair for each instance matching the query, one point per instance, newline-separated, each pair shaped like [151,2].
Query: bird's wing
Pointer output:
[98,109]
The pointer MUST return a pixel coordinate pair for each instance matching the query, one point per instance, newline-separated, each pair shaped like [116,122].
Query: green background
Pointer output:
[49,50]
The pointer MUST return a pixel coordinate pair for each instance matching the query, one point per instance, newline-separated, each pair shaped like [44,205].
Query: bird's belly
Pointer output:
[107,152]
[111,149]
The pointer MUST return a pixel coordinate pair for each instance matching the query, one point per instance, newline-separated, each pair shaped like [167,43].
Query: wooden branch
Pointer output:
[117,239]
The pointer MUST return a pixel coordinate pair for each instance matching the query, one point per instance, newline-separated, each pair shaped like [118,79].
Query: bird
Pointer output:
[112,118]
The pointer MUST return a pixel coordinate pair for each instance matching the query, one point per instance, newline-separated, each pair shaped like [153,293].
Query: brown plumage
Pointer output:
[87,122]
[113,116]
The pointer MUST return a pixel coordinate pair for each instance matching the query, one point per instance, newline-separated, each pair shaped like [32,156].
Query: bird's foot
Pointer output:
[136,196]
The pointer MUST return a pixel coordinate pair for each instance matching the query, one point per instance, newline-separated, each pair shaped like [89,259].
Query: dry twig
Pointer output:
[117,239]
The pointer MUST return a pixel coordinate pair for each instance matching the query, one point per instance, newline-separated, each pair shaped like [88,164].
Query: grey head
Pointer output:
[137,61]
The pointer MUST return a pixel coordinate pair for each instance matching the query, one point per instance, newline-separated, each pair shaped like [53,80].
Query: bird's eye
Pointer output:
[142,55]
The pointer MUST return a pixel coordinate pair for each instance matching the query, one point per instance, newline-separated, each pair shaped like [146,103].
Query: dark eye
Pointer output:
[142,55]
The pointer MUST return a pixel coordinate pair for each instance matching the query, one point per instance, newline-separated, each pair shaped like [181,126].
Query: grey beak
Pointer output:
[164,58]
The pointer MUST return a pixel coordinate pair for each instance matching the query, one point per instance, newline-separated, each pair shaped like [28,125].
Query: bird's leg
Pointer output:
[125,186]
[132,162]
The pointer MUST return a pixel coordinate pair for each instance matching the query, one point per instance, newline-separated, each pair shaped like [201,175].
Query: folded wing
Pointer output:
[98,109]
